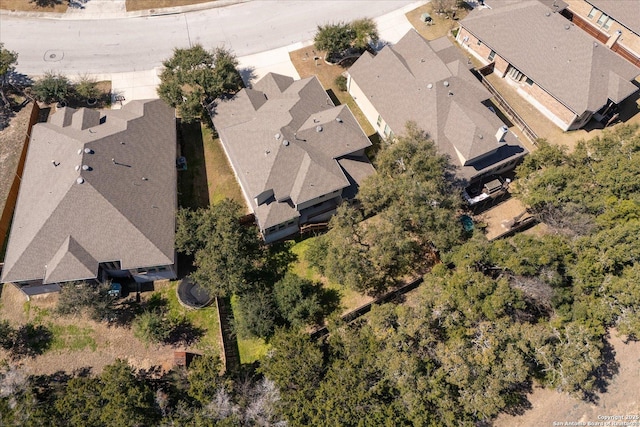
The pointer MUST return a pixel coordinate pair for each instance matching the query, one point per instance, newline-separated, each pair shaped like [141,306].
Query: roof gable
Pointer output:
[562,59]
[105,193]
[287,147]
[428,83]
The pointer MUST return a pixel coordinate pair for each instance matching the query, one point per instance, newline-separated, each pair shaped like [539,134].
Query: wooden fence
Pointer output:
[12,196]
[510,112]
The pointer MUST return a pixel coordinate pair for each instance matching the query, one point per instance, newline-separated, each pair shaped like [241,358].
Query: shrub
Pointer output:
[341,82]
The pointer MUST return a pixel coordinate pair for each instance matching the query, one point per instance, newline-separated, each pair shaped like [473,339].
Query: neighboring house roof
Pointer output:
[98,186]
[430,83]
[626,12]
[285,139]
[570,65]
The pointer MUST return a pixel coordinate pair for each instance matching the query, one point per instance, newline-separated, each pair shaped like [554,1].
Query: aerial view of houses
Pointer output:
[247,213]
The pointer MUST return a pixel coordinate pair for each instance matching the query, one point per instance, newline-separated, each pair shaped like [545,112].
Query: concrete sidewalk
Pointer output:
[115,9]
[143,84]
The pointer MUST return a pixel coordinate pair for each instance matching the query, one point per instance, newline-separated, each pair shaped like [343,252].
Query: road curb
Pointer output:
[134,14]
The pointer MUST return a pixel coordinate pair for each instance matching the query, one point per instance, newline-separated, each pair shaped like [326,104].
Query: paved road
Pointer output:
[142,43]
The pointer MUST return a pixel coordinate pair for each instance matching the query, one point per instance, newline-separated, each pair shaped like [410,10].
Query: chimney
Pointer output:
[613,39]
[502,131]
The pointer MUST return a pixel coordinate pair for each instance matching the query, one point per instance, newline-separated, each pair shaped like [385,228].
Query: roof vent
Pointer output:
[277,136]
[446,83]
[88,151]
[318,128]
[421,59]
[77,167]
[548,14]
[80,180]
[502,131]
[85,167]
[79,151]
[266,152]
[450,93]
[285,142]
[429,86]
[566,27]
[338,119]
[144,178]
[480,136]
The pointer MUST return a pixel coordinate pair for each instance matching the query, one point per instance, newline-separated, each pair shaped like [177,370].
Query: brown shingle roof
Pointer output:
[96,194]
[429,83]
[299,170]
[562,59]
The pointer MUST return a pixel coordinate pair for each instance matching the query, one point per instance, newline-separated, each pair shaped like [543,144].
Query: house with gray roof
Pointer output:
[430,84]
[613,22]
[97,198]
[295,154]
[563,72]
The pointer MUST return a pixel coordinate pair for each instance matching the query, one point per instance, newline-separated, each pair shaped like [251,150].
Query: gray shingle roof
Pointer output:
[626,12]
[95,193]
[406,82]
[253,127]
[561,58]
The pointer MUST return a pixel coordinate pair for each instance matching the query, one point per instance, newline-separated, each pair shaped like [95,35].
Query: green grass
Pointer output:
[72,338]
[205,318]
[251,349]
[222,181]
[349,299]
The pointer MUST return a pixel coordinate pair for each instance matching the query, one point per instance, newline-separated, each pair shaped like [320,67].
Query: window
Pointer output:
[379,122]
[492,55]
[479,43]
[607,24]
[603,20]
[515,74]
[529,81]
[387,131]
[592,13]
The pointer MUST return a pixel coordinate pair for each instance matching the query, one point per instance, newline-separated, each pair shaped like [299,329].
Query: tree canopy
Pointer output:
[52,87]
[411,205]
[194,77]
[227,253]
[337,38]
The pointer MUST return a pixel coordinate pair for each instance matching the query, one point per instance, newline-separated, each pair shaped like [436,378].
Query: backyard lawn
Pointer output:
[349,299]
[209,177]
[205,319]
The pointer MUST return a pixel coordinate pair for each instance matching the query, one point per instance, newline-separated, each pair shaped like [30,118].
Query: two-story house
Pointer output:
[295,154]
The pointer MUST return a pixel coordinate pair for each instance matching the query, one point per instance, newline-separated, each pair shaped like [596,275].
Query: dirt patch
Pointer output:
[440,25]
[307,66]
[105,342]
[58,6]
[132,5]
[621,398]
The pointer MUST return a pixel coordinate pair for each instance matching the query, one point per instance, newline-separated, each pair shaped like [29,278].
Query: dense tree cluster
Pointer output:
[123,397]
[194,77]
[230,259]
[411,205]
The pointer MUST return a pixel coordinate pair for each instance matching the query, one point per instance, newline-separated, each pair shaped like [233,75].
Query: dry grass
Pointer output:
[58,6]
[133,5]
[306,66]
[221,181]
[440,26]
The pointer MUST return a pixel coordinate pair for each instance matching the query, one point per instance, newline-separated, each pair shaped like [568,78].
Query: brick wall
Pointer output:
[629,40]
[565,115]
